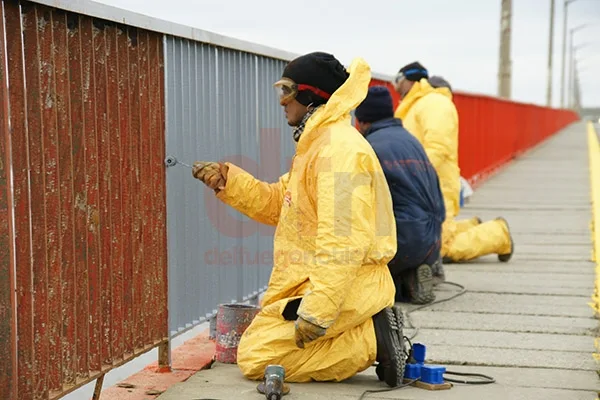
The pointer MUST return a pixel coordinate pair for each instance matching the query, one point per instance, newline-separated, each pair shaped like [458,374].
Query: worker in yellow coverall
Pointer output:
[431,116]
[328,312]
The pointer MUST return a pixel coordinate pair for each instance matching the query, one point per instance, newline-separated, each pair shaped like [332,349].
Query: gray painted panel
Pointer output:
[220,106]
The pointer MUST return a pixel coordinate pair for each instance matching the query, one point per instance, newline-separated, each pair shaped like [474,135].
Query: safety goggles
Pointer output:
[399,77]
[402,75]
[287,90]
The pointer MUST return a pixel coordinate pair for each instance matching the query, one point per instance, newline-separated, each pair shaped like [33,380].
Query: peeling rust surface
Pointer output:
[20,168]
[124,121]
[145,169]
[136,210]
[79,137]
[88,193]
[8,370]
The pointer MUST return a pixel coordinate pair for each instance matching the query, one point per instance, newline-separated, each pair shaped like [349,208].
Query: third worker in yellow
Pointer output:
[429,113]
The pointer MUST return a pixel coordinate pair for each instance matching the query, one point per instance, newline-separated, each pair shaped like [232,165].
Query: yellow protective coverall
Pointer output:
[335,233]
[431,116]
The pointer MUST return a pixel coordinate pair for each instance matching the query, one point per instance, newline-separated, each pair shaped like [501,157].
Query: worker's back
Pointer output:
[417,199]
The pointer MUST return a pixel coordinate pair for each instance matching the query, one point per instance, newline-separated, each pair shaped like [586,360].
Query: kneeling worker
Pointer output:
[418,202]
[431,116]
[328,312]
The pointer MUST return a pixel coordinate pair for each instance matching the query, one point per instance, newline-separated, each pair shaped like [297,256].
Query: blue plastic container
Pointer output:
[433,374]
[412,371]
[419,351]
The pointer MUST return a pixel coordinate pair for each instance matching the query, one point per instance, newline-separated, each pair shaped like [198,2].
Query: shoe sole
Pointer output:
[390,322]
[425,281]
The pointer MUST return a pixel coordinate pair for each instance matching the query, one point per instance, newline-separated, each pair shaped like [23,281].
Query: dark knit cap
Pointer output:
[320,70]
[414,72]
[376,106]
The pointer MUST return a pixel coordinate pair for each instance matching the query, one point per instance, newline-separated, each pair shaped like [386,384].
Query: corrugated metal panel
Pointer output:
[8,367]
[220,107]
[87,140]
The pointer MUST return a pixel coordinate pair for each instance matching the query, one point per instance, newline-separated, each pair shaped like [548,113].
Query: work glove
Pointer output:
[212,174]
[306,332]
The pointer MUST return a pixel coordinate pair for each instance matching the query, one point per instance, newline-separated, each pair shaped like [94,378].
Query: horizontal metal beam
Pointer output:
[114,14]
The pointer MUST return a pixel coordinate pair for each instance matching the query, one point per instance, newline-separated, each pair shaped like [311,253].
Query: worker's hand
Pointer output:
[306,332]
[213,174]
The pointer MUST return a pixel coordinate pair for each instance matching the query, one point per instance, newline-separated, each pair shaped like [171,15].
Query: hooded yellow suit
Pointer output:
[430,115]
[335,233]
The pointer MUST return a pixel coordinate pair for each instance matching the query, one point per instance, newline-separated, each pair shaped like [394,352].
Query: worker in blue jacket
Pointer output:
[416,196]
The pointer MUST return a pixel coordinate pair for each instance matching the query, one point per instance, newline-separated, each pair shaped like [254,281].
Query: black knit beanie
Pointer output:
[320,70]
[376,106]
[414,72]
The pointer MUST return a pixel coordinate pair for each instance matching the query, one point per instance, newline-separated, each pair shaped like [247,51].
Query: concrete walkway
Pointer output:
[526,323]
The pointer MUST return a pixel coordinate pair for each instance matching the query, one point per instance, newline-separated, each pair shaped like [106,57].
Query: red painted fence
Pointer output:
[85,147]
[493,131]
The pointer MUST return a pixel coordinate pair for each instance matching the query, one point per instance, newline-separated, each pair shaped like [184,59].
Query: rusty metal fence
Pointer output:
[82,211]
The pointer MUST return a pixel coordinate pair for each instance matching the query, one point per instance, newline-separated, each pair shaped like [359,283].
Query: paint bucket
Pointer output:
[232,321]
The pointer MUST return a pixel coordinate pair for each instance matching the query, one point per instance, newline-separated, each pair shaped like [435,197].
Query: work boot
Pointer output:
[508,256]
[437,271]
[419,284]
[391,356]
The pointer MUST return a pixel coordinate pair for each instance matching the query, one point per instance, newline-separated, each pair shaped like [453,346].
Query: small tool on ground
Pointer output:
[273,386]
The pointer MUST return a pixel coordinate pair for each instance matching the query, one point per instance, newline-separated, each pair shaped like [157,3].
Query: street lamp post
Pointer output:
[564,49]
[571,58]
[504,68]
[571,82]
[550,45]
[570,76]
[575,88]
[577,103]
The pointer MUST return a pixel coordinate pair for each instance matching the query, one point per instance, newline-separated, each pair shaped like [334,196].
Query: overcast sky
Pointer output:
[458,39]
